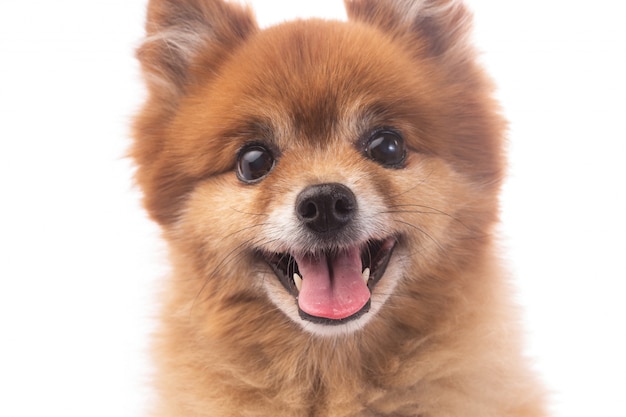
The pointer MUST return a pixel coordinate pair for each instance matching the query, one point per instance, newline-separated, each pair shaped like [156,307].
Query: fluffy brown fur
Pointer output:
[440,337]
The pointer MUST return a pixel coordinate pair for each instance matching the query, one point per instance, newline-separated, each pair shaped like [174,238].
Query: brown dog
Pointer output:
[329,192]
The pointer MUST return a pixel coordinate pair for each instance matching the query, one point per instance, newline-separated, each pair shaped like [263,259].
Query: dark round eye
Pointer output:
[254,163]
[386,148]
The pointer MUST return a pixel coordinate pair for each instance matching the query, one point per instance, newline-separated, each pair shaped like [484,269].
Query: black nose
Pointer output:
[326,208]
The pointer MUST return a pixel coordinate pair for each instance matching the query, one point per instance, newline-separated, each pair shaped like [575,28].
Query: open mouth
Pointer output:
[334,286]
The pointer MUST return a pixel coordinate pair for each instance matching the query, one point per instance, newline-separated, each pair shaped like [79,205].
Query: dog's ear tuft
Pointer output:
[181,32]
[443,25]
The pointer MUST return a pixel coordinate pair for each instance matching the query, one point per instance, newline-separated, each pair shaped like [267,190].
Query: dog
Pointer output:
[328,191]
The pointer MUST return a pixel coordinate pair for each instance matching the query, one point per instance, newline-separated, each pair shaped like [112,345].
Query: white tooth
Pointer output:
[366,275]
[298,281]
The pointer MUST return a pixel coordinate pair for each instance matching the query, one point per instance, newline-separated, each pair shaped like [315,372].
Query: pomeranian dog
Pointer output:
[329,192]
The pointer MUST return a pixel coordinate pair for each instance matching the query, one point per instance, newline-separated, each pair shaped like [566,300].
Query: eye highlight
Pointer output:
[254,162]
[387,148]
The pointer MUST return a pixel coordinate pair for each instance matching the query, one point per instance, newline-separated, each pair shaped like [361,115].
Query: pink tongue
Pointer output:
[332,288]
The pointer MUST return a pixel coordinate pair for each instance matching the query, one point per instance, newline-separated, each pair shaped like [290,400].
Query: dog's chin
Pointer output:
[339,300]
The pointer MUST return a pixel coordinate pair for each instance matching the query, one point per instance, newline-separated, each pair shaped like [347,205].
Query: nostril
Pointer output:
[344,206]
[307,210]
[326,207]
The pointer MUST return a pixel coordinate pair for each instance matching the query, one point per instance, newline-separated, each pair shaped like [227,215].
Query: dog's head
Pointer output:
[323,167]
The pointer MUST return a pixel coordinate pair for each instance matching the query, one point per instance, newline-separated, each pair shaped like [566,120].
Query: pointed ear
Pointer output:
[441,25]
[180,33]
[186,42]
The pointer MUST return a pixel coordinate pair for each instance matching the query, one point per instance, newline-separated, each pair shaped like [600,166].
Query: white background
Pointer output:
[79,261]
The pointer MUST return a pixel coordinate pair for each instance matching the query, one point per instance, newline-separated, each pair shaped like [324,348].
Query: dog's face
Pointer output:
[323,168]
